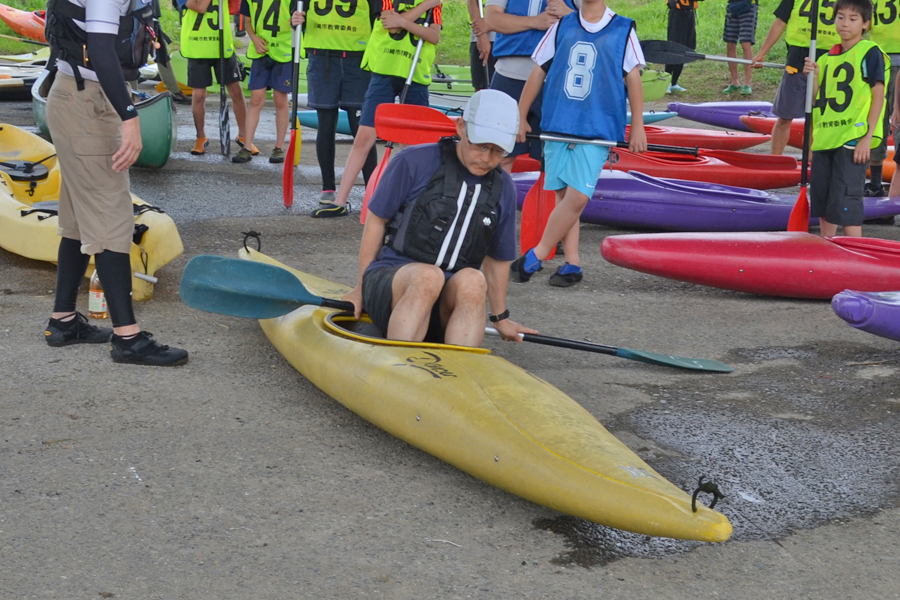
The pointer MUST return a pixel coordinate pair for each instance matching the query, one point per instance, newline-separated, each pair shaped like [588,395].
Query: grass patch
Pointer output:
[703,79]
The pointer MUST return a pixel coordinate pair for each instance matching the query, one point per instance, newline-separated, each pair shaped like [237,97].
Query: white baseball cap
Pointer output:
[492,117]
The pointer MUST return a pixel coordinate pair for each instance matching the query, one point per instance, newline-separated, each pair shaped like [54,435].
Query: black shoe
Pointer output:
[517,270]
[180,98]
[332,210]
[874,191]
[565,279]
[242,157]
[142,349]
[77,331]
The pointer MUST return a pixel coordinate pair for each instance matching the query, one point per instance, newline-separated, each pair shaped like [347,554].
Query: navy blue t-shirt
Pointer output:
[407,175]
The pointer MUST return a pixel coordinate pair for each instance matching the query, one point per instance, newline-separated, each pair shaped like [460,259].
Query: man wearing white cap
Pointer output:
[441,233]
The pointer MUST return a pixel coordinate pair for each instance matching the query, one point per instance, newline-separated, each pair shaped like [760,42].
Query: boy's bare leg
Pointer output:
[257,100]
[239,105]
[569,205]
[365,139]
[748,69]
[507,163]
[853,230]
[198,110]
[570,245]
[895,183]
[781,132]
[731,52]
[282,117]
[827,229]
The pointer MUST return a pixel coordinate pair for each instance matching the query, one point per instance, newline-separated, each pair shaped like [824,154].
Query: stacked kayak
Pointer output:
[159,128]
[763,124]
[16,80]
[29,24]
[38,57]
[742,169]
[28,165]
[874,312]
[28,222]
[487,417]
[637,201]
[788,264]
[721,114]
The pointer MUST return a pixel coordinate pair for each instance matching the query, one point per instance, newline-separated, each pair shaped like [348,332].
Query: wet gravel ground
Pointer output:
[234,477]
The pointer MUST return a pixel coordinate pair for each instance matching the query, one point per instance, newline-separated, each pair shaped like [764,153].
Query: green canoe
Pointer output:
[159,130]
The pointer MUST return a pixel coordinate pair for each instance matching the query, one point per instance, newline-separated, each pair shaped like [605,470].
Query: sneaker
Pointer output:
[676,88]
[731,89]
[253,149]
[200,146]
[874,190]
[243,156]
[180,98]
[75,331]
[566,276]
[746,90]
[277,156]
[142,349]
[518,269]
[327,197]
[332,210]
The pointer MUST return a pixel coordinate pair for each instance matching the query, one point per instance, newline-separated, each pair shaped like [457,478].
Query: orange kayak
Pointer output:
[29,24]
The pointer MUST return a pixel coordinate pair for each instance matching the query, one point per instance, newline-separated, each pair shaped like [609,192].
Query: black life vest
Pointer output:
[449,224]
[68,42]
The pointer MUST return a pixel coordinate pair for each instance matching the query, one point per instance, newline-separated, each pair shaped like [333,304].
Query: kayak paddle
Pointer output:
[665,360]
[243,288]
[287,177]
[673,53]
[376,174]
[799,219]
[400,122]
[224,124]
[23,40]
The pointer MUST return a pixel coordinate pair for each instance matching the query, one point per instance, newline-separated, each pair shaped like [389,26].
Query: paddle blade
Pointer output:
[667,360]
[224,126]
[536,209]
[299,147]
[668,53]
[412,124]
[799,219]
[242,288]
[287,177]
[373,183]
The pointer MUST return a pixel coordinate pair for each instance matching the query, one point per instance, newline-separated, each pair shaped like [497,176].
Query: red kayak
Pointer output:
[761,124]
[714,139]
[29,24]
[788,264]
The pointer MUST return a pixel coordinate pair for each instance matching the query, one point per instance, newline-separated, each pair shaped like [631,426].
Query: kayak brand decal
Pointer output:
[428,362]
[637,471]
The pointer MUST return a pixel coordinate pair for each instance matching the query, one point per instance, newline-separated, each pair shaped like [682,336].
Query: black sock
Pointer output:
[71,266]
[115,275]
[875,174]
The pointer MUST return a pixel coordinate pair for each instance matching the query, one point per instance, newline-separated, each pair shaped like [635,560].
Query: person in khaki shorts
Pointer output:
[98,137]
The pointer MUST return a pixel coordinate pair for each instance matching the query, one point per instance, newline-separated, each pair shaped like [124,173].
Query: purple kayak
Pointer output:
[721,114]
[874,312]
[637,201]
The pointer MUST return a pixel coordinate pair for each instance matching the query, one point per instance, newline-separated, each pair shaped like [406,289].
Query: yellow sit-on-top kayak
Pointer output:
[28,164]
[487,417]
[28,221]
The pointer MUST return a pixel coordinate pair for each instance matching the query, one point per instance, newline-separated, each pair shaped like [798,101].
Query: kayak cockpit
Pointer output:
[363,330]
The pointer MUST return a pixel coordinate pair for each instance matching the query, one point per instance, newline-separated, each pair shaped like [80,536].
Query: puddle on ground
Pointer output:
[792,447]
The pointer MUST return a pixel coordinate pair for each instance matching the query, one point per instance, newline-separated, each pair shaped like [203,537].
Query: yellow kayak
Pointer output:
[487,417]
[19,147]
[28,222]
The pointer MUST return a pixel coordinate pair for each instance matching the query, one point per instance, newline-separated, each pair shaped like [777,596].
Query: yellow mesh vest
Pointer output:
[885,27]
[271,20]
[338,25]
[200,33]
[798,26]
[392,53]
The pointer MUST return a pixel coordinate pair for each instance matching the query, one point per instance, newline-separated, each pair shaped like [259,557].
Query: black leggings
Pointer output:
[682,28]
[115,274]
[327,130]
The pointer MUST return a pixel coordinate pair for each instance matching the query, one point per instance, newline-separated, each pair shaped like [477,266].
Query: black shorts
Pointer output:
[836,191]
[481,75]
[200,70]
[336,79]
[378,295]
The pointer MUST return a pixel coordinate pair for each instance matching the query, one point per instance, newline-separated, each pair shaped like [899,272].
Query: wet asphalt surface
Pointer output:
[233,477]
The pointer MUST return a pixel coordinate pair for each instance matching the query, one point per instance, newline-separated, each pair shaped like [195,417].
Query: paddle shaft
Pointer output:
[560,342]
[287,178]
[673,53]
[799,218]
[224,133]
[729,59]
[651,147]
[23,40]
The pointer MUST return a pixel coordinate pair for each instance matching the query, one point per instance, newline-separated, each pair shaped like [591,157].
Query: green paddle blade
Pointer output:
[667,360]
[242,288]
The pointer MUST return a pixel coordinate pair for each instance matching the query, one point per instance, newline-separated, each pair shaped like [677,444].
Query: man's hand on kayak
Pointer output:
[355,296]
[510,330]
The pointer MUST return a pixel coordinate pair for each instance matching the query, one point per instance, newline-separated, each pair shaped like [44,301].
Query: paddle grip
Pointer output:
[150,278]
[338,304]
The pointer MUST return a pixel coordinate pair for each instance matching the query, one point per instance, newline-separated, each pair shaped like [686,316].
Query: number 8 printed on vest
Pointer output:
[580,74]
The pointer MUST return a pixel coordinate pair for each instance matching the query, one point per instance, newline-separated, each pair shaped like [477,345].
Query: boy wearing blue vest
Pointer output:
[520,25]
[847,119]
[584,59]
[269,23]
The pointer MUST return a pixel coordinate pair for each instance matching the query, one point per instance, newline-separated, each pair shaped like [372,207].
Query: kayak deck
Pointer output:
[491,419]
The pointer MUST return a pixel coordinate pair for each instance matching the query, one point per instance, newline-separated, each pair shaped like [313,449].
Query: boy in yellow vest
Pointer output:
[847,119]
[269,23]
[200,45]
[885,33]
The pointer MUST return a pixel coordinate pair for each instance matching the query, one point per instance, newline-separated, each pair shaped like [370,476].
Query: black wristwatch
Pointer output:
[500,317]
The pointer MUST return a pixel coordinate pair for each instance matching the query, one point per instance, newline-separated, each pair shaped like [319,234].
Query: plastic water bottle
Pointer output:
[96,299]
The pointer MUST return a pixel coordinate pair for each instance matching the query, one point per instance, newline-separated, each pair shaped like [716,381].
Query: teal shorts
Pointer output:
[577,167]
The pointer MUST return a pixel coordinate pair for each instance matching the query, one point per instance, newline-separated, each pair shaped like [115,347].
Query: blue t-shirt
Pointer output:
[407,175]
